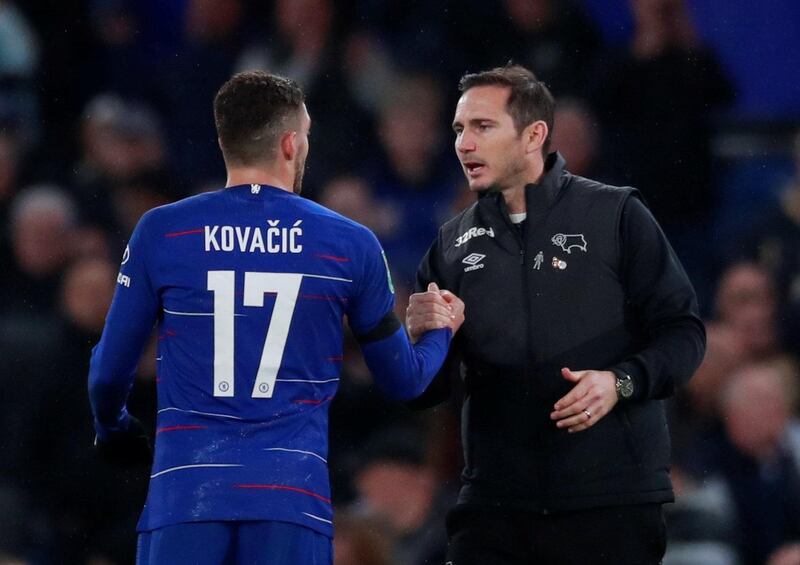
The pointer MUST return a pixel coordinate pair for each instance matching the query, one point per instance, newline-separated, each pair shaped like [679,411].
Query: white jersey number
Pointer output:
[286,287]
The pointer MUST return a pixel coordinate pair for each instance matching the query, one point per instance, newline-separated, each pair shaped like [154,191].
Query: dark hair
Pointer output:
[529,100]
[251,110]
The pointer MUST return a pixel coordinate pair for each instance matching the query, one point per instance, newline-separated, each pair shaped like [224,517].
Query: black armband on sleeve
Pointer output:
[386,327]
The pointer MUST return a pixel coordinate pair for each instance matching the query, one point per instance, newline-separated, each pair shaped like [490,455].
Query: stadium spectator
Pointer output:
[772,242]
[397,486]
[576,137]
[304,40]
[211,39]
[359,541]
[43,220]
[19,63]
[555,38]
[10,165]
[412,174]
[87,523]
[756,457]
[655,100]
[745,330]
[121,141]
[352,196]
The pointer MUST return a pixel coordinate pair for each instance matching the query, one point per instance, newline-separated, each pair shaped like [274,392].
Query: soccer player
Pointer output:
[248,286]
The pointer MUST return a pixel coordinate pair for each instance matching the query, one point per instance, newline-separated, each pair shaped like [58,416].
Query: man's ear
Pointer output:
[535,136]
[288,149]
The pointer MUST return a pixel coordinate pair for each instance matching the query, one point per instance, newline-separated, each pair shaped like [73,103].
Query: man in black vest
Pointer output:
[579,321]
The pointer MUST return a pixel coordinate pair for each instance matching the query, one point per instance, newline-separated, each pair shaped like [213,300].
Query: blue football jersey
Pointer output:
[248,287]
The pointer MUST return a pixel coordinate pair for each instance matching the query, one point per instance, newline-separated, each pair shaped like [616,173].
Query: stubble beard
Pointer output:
[510,177]
[299,170]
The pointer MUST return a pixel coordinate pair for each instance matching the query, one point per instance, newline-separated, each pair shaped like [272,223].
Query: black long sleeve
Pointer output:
[662,300]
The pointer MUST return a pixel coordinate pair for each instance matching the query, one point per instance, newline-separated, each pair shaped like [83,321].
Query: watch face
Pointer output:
[625,387]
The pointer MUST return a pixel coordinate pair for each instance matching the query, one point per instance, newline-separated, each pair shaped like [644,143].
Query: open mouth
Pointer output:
[474,168]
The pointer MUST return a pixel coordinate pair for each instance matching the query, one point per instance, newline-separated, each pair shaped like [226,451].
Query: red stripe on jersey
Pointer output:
[332,258]
[168,333]
[283,487]
[323,297]
[179,233]
[175,428]
[312,400]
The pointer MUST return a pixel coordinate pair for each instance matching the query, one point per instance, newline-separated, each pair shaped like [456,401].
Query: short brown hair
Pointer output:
[251,110]
[529,100]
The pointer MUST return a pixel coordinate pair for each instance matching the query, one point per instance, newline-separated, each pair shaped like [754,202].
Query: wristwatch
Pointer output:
[624,385]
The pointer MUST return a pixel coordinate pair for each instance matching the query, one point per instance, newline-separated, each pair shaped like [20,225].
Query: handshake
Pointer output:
[432,310]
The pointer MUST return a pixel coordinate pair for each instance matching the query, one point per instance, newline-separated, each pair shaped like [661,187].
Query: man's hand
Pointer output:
[128,448]
[431,310]
[592,397]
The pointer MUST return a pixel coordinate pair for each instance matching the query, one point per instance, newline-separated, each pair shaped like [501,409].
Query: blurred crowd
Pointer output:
[105,112]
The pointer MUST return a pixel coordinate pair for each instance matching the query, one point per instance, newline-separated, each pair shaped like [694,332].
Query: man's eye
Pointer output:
[483,127]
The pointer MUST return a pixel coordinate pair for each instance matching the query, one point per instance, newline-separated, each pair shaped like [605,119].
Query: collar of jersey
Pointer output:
[248,189]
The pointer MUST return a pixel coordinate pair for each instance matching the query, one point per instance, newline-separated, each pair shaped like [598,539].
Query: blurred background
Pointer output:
[105,112]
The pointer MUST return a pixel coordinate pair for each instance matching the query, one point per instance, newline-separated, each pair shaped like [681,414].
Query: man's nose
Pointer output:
[465,144]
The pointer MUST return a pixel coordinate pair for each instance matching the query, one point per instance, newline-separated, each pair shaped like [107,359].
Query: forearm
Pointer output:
[403,371]
[668,361]
[110,382]
[115,358]
[663,306]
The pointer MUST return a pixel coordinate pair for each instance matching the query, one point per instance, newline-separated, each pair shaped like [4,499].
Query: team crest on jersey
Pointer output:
[473,232]
[568,242]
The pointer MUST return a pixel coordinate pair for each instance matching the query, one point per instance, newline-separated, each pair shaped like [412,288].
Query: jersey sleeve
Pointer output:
[401,370]
[129,322]
[374,296]
[440,387]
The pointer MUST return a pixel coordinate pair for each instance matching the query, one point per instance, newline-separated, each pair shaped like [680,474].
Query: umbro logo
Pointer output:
[474,261]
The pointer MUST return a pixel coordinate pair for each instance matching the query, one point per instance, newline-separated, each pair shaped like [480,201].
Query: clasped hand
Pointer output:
[433,309]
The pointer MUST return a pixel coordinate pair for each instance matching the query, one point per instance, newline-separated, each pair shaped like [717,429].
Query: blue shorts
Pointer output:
[234,543]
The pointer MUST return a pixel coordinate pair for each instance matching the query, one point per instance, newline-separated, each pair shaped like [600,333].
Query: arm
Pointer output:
[427,274]
[401,370]
[660,296]
[128,325]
